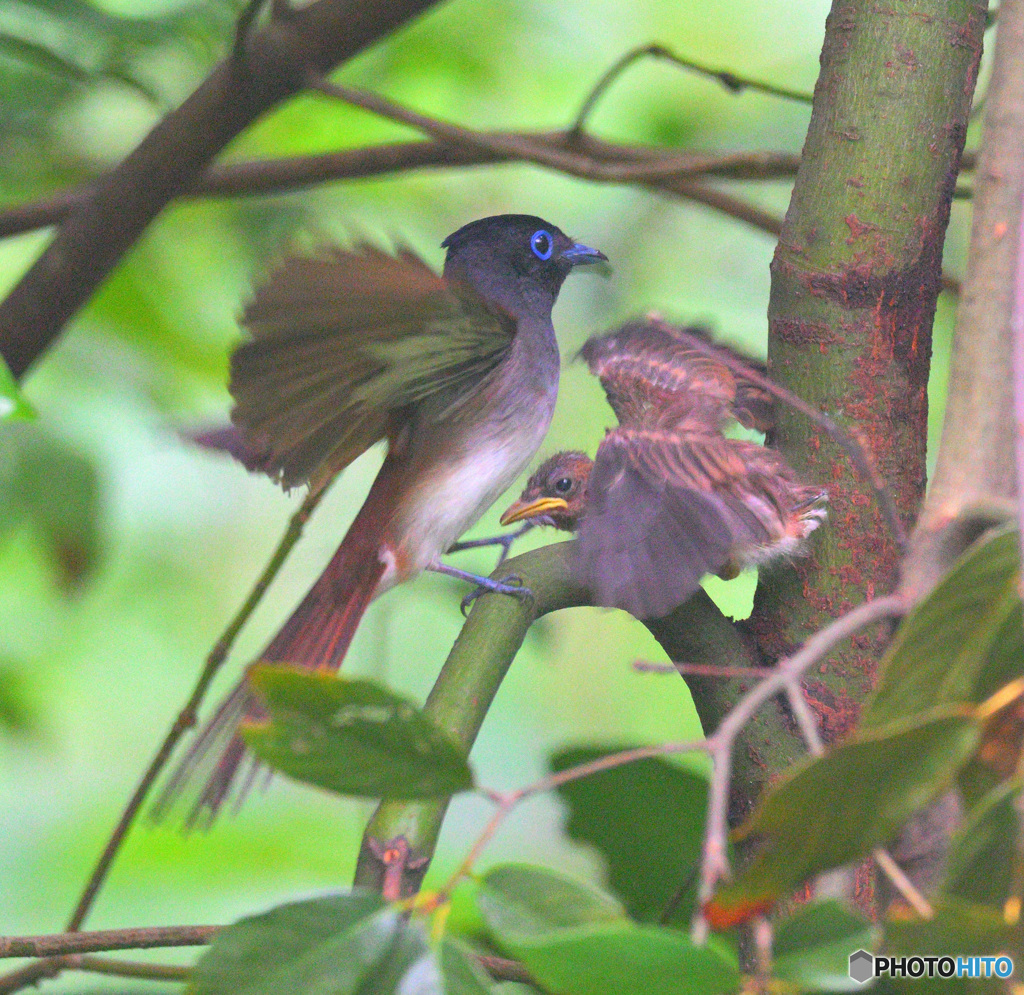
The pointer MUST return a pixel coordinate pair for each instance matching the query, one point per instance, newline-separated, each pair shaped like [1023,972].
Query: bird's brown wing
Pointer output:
[659,517]
[340,343]
[655,376]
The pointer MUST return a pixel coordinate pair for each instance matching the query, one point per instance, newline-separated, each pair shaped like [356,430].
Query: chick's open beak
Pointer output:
[532,509]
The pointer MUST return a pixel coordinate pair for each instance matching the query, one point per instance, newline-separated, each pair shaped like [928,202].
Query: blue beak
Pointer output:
[582,255]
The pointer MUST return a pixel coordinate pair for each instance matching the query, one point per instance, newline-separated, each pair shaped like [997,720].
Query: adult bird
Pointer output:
[458,372]
[669,498]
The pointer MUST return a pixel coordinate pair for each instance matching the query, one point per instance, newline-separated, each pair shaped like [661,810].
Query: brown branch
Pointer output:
[105,939]
[97,233]
[270,176]
[503,969]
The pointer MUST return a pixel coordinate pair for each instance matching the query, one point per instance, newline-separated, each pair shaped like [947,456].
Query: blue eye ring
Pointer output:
[542,244]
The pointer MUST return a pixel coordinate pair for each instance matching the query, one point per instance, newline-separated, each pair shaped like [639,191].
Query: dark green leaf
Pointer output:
[354,737]
[13,406]
[983,849]
[647,821]
[575,940]
[941,650]
[813,946]
[294,946]
[834,809]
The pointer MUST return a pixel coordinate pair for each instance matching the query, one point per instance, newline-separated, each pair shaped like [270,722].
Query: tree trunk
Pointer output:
[854,285]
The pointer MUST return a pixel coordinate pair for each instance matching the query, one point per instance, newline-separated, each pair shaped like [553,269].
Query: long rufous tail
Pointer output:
[317,636]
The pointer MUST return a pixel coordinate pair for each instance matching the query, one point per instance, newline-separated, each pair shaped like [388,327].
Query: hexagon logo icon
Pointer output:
[861,966]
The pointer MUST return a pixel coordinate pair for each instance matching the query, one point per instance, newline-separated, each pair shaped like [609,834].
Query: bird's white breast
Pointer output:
[454,496]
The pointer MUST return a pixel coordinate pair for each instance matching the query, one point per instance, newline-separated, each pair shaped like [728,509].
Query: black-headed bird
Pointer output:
[458,372]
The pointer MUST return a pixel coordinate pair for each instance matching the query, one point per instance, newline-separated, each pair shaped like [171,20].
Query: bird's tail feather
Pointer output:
[316,636]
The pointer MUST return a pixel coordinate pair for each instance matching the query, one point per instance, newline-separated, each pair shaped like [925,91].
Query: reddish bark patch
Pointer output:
[836,711]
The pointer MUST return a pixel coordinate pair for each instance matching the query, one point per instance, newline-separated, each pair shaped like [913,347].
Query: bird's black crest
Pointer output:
[499,227]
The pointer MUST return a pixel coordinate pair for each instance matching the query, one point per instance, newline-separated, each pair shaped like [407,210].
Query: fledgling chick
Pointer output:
[669,498]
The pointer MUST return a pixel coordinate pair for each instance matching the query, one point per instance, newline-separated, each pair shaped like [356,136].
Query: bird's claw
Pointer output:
[511,585]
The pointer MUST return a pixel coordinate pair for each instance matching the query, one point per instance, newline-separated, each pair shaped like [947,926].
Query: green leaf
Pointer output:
[831,810]
[958,927]
[647,821]
[460,974]
[575,940]
[354,737]
[13,406]
[335,940]
[351,944]
[523,903]
[941,651]
[983,850]
[813,946]
[57,489]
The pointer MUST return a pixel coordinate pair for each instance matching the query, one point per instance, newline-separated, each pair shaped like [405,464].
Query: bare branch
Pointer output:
[902,883]
[105,939]
[731,81]
[269,176]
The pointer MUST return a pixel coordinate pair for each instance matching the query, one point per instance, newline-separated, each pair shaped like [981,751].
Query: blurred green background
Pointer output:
[124,551]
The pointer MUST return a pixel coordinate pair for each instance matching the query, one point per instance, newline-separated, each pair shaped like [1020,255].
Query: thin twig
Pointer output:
[506,144]
[731,81]
[805,720]
[31,974]
[78,942]
[129,968]
[699,669]
[902,883]
[187,717]
[856,453]
[667,176]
